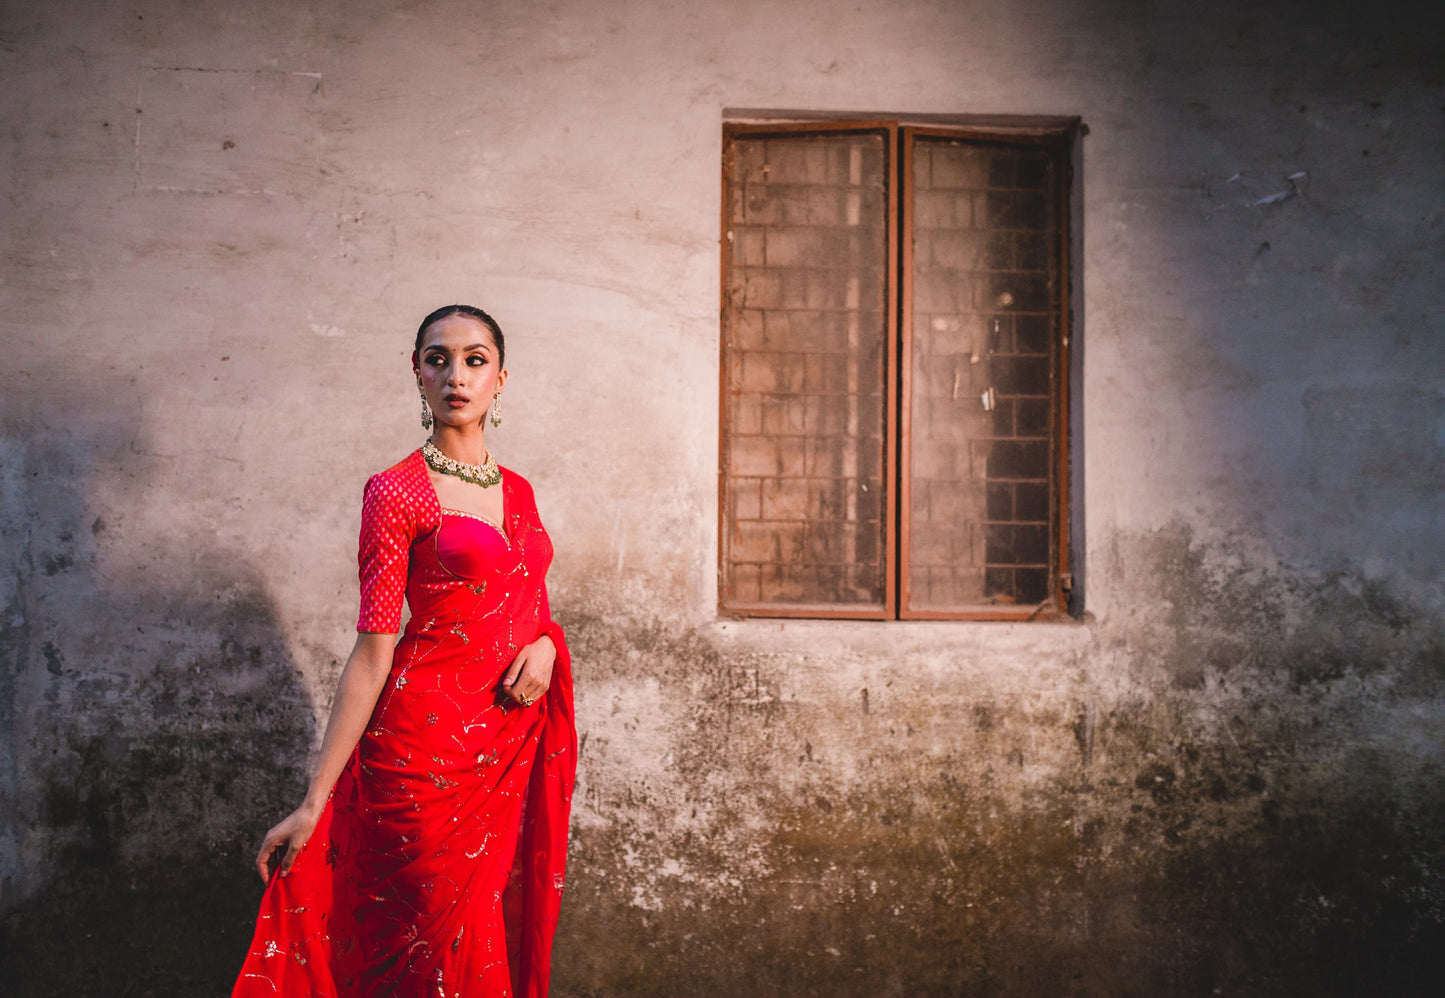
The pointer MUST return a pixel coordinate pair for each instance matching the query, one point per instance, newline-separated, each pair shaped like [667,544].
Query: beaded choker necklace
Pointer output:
[485,474]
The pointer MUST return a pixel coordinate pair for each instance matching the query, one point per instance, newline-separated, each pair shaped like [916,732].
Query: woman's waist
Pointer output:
[446,622]
[426,652]
[449,653]
[440,713]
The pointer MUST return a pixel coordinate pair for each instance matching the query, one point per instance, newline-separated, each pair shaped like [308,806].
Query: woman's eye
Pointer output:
[476,360]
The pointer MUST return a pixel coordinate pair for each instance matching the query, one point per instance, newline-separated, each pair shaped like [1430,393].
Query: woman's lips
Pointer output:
[457,401]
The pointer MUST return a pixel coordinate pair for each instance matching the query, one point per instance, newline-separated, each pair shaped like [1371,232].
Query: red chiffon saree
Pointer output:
[437,866]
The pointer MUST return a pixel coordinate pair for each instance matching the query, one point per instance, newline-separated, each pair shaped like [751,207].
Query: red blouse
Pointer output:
[400,506]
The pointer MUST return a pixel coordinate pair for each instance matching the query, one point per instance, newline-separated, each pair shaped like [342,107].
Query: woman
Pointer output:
[427,857]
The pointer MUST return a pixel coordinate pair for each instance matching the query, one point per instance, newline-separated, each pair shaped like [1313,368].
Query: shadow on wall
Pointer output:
[151,723]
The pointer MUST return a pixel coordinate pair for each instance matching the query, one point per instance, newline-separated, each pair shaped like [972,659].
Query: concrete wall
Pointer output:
[221,224]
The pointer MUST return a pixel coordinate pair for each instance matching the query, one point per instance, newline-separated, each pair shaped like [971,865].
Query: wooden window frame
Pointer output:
[900,135]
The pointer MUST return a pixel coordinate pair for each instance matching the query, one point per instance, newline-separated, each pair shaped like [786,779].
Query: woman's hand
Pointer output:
[292,832]
[531,671]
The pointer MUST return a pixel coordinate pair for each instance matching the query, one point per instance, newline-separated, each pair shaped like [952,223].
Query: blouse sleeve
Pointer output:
[383,554]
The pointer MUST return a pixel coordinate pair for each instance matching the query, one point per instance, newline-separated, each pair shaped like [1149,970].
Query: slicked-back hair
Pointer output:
[471,312]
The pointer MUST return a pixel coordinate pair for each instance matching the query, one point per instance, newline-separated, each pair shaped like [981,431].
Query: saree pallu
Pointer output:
[437,866]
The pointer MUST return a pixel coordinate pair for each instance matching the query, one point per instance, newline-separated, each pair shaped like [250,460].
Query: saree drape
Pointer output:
[437,866]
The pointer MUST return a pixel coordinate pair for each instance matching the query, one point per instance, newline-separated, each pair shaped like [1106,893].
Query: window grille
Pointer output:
[895,371]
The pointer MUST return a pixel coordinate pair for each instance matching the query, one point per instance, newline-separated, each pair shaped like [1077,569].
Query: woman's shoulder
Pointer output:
[402,483]
[408,467]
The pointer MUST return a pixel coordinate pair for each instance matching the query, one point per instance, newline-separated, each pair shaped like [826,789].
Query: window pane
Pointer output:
[805,329]
[984,372]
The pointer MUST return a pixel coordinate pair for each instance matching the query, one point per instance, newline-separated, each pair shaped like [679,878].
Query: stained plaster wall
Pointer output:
[221,222]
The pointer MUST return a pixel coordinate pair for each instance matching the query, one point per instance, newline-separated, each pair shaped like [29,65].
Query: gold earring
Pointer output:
[496,416]
[426,419]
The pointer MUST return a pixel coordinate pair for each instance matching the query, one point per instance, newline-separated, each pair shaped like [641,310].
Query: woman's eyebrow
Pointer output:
[473,346]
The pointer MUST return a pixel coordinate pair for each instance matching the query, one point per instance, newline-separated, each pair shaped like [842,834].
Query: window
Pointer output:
[895,370]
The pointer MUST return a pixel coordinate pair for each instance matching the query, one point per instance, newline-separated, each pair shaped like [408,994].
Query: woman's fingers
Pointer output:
[517,672]
[295,848]
[514,670]
[530,674]
[521,690]
[291,833]
[263,858]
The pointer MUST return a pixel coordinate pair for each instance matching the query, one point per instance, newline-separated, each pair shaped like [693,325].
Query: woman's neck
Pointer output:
[467,444]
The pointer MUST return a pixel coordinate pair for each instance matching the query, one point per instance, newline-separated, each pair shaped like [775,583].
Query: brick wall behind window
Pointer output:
[804,340]
[984,272]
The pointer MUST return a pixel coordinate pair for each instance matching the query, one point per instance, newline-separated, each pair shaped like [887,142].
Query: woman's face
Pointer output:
[457,370]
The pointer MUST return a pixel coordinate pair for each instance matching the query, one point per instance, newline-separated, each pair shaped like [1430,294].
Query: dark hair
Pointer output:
[471,312]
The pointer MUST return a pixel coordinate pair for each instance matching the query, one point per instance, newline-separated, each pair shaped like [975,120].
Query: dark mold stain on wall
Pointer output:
[150,824]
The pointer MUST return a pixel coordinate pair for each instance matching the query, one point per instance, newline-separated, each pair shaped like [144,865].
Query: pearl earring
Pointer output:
[426,419]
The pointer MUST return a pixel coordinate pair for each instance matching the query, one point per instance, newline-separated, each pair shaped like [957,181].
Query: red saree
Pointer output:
[436,868]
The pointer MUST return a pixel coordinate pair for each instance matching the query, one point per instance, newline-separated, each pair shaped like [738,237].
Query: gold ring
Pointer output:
[525,701]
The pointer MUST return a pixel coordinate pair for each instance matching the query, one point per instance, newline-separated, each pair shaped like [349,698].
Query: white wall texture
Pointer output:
[222,223]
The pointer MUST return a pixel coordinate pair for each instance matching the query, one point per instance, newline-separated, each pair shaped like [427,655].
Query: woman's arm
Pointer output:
[356,694]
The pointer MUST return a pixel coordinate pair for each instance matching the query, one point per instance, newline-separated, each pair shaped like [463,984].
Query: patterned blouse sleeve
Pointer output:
[383,554]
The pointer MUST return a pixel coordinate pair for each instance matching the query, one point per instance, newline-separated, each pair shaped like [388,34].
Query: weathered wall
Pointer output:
[221,222]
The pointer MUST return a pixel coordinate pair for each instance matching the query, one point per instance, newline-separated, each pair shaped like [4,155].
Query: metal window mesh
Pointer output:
[986,276]
[805,334]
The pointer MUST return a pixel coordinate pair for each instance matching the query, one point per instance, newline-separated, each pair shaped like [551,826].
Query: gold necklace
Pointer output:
[485,474]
